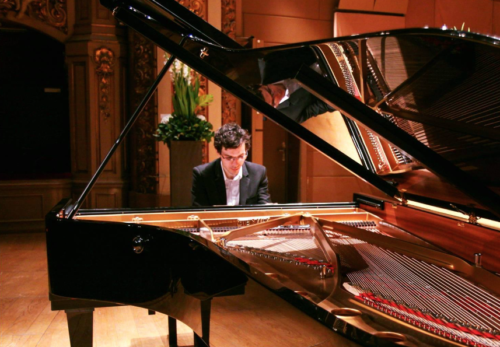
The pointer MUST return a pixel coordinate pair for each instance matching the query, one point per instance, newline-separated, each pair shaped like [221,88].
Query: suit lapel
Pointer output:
[244,185]
[220,186]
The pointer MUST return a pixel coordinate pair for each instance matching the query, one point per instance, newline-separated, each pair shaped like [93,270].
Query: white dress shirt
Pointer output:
[233,187]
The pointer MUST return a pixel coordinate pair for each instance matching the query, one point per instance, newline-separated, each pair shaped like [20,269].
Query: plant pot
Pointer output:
[184,156]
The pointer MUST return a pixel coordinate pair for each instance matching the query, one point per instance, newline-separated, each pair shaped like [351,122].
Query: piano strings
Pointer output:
[422,294]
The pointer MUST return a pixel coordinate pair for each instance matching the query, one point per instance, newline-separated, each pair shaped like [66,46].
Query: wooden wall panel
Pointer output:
[284,8]
[347,24]
[420,13]
[390,6]
[274,29]
[24,204]
[356,5]
[326,9]
[495,30]
[481,16]
[477,14]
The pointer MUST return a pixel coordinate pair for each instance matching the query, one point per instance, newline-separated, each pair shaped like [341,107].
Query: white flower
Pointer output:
[201,117]
[177,65]
[165,118]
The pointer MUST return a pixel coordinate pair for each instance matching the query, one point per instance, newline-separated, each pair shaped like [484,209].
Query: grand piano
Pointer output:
[416,265]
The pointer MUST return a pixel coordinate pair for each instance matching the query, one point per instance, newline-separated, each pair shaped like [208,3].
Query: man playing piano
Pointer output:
[230,179]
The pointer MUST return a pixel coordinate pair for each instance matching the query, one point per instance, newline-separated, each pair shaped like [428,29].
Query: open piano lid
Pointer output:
[421,106]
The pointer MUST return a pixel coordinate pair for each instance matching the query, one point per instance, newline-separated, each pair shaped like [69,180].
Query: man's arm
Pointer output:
[199,195]
[315,108]
[302,105]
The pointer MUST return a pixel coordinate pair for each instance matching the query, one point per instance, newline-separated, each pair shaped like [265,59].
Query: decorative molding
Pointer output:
[104,59]
[144,163]
[198,7]
[229,107]
[204,111]
[229,101]
[51,12]
[229,18]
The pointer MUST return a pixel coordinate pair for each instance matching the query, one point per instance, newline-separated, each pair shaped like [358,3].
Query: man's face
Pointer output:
[232,159]
[273,93]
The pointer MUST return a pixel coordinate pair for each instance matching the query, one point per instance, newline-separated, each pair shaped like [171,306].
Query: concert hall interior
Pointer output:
[375,231]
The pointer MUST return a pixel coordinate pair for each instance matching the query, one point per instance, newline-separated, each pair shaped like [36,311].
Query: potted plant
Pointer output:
[184,124]
[184,131]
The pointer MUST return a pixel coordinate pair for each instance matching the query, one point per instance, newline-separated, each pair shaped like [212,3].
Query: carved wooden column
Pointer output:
[143,146]
[229,101]
[96,72]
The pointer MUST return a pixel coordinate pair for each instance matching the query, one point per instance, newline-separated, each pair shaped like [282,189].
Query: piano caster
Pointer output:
[80,325]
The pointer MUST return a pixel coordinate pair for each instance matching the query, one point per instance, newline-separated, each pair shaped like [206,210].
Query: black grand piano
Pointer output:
[415,266]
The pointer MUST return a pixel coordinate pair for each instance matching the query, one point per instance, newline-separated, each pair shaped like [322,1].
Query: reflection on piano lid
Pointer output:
[421,107]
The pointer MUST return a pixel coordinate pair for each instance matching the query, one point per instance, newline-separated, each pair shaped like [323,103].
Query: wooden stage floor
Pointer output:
[26,318]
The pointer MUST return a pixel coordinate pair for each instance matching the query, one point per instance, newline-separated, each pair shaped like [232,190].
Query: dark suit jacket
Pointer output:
[302,105]
[209,188]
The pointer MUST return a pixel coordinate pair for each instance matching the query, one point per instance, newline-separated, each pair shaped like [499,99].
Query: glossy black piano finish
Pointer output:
[287,265]
[402,268]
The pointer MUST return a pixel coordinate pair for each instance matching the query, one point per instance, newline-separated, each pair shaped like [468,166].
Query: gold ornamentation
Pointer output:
[52,12]
[9,5]
[229,103]
[104,59]
[229,18]
[198,7]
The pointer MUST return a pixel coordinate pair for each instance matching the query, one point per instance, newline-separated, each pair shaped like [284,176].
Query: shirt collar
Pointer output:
[239,176]
[290,87]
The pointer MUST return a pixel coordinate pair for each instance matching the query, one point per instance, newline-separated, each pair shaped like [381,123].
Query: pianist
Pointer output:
[230,180]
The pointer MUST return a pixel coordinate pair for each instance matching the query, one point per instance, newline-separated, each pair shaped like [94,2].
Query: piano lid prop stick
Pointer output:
[124,133]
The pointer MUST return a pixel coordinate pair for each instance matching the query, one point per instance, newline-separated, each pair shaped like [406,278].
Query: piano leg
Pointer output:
[172,332]
[205,325]
[80,325]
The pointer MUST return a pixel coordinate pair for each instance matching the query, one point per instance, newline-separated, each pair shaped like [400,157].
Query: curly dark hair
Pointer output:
[231,135]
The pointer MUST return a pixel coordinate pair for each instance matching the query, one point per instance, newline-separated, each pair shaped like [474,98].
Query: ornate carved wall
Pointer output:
[48,16]
[144,170]
[229,102]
